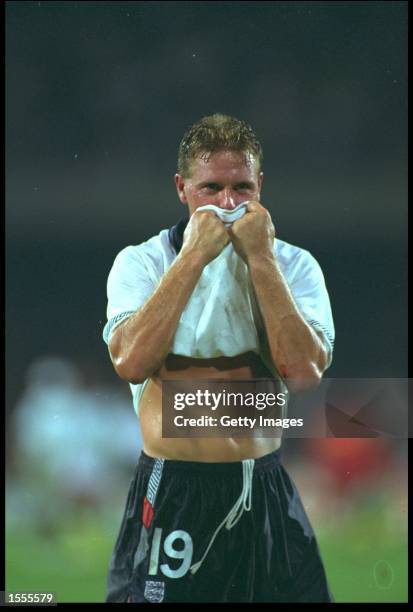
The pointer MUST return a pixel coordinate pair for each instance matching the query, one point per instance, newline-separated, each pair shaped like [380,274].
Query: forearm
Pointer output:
[141,344]
[296,350]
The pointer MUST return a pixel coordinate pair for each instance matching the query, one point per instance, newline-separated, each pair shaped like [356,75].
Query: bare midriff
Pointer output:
[242,367]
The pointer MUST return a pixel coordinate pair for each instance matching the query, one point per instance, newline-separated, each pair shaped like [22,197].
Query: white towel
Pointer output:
[227,216]
[220,316]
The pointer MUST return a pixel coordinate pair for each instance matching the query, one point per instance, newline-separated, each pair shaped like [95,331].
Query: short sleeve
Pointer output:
[311,296]
[128,288]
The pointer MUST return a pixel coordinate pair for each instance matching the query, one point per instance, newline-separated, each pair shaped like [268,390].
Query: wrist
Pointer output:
[192,258]
[260,260]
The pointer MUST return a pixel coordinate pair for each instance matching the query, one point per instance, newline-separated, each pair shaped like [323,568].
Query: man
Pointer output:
[172,544]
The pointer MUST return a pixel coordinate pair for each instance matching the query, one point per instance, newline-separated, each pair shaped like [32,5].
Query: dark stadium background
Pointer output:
[98,96]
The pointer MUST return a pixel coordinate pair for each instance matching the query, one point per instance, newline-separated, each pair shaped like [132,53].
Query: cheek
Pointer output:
[200,198]
[193,194]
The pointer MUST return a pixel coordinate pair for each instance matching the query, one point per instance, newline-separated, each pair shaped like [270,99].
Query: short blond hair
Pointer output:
[214,133]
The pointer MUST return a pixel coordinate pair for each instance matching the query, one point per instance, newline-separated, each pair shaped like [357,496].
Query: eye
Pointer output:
[211,186]
[243,186]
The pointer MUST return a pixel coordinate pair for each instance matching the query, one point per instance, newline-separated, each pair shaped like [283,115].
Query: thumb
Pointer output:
[230,232]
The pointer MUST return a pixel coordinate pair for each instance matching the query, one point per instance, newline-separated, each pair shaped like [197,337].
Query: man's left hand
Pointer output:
[253,235]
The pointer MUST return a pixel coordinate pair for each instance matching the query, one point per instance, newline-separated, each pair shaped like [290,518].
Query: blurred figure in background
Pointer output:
[352,475]
[352,462]
[64,455]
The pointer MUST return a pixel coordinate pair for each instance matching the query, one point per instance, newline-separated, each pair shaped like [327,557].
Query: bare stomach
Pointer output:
[245,367]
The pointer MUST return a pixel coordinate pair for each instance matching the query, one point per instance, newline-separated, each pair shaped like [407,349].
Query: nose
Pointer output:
[226,199]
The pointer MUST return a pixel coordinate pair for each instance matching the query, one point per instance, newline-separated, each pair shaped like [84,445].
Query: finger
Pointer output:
[207,213]
[210,215]
[239,223]
[253,206]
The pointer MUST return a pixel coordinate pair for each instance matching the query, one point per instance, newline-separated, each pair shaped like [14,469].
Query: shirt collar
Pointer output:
[176,233]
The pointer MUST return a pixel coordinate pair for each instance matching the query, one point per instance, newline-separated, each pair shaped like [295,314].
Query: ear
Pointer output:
[180,188]
[260,182]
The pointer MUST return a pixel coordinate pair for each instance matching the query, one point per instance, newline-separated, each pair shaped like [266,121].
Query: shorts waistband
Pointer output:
[262,464]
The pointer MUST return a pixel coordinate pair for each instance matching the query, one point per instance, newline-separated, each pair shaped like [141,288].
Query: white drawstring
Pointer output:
[242,503]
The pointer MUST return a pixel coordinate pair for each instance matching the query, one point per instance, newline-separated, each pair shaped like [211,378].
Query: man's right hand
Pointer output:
[139,345]
[205,235]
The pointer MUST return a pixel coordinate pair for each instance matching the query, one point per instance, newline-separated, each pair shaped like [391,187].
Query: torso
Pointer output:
[242,367]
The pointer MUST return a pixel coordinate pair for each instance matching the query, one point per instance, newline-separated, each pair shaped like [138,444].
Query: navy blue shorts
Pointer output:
[215,532]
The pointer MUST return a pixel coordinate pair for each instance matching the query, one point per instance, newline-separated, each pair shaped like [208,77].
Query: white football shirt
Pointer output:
[137,271]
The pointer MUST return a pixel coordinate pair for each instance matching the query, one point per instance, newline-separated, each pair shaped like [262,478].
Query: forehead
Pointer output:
[224,165]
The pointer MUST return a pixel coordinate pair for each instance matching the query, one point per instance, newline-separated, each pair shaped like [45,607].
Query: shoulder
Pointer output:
[156,249]
[295,261]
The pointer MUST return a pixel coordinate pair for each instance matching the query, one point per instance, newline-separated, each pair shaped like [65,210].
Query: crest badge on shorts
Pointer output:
[154,591]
